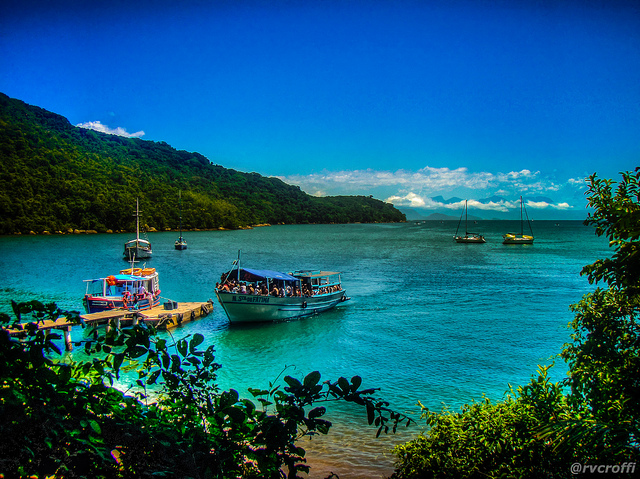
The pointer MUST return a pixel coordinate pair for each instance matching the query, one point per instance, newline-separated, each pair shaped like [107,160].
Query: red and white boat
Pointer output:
[133,289]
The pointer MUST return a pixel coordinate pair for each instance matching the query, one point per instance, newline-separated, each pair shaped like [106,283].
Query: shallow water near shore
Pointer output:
[429,320]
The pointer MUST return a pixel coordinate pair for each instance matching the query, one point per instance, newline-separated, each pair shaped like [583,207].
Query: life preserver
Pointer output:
[126,296]
[111,280]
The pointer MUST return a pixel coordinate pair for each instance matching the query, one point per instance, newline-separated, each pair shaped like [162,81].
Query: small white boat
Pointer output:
[251,295]
[181,243]
[468,237]
[137,248]
[521,238]
[133,288]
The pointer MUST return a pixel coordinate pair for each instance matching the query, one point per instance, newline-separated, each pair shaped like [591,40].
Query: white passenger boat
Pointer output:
[133,288]
[252,295]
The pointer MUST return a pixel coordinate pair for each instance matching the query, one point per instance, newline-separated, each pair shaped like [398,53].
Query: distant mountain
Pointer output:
[440,199]
[55,177]
[492,199]
[411,214]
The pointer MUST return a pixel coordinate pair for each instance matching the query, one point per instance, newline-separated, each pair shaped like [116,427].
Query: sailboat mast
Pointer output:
[521,224]
[466,213]
[137,222]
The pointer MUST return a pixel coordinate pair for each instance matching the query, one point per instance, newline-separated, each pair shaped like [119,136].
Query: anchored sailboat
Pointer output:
[180,243]
[468,237]
[137,248]
[514,238]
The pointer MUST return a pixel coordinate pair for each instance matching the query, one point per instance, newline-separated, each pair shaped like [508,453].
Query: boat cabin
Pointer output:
[134,282]
[318,282]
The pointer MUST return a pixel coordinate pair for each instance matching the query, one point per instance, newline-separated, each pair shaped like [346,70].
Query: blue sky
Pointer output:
[405,101]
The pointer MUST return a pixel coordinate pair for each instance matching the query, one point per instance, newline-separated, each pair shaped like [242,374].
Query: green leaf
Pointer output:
[317,412]
[182,347]
[312,379]
[117,362]
[370,413]
[236,414]
[136,351]
[228,398]
[293,382]
[95,426]
[153,377]
[195,342]
[344,384]
[356,381]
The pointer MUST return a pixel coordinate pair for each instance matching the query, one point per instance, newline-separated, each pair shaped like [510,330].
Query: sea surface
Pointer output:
[429,320]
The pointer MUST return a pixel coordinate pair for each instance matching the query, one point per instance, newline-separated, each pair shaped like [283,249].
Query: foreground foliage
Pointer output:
[593,417]
[55,176]
[66,419]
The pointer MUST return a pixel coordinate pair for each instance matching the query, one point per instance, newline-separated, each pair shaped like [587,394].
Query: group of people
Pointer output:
[278,288]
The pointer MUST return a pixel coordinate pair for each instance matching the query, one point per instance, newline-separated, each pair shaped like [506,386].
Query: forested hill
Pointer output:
[55,176]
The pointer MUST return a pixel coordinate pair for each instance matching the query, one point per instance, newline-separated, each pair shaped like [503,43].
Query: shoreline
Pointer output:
[75,231]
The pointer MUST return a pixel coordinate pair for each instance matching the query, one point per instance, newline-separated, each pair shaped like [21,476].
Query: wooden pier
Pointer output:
[160,316]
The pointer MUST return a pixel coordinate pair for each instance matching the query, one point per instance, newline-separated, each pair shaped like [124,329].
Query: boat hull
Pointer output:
[97,304]
[470,239]
[137,253]
[246,308]
[514,239]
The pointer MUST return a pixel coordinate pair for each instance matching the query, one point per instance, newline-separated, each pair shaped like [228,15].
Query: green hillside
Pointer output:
[55,176]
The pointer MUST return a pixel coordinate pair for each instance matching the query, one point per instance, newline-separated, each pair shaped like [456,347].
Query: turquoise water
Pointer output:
[430,320]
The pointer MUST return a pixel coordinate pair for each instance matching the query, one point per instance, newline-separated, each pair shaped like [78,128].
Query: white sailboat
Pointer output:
[521,238]
[468,237]
[137,248]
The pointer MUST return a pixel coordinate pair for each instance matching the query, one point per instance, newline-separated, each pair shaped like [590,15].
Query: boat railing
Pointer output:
[325,285]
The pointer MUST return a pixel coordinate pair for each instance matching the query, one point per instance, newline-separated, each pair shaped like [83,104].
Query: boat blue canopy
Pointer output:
[254,275]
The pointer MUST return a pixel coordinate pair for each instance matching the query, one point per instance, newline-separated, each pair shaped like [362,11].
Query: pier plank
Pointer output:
[158,316]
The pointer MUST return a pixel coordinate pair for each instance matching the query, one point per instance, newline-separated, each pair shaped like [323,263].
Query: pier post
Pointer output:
[68,345]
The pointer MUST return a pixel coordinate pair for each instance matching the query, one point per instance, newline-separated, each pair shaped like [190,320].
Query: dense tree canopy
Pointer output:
[55,176]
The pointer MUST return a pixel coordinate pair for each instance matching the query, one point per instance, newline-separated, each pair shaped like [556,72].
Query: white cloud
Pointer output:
[416,201]
[577,181]
[417,188]
[541,205]
[426,181]
[119,131]
[410,199]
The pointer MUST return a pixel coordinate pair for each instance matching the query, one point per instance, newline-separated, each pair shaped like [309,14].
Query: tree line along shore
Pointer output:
[55,177]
